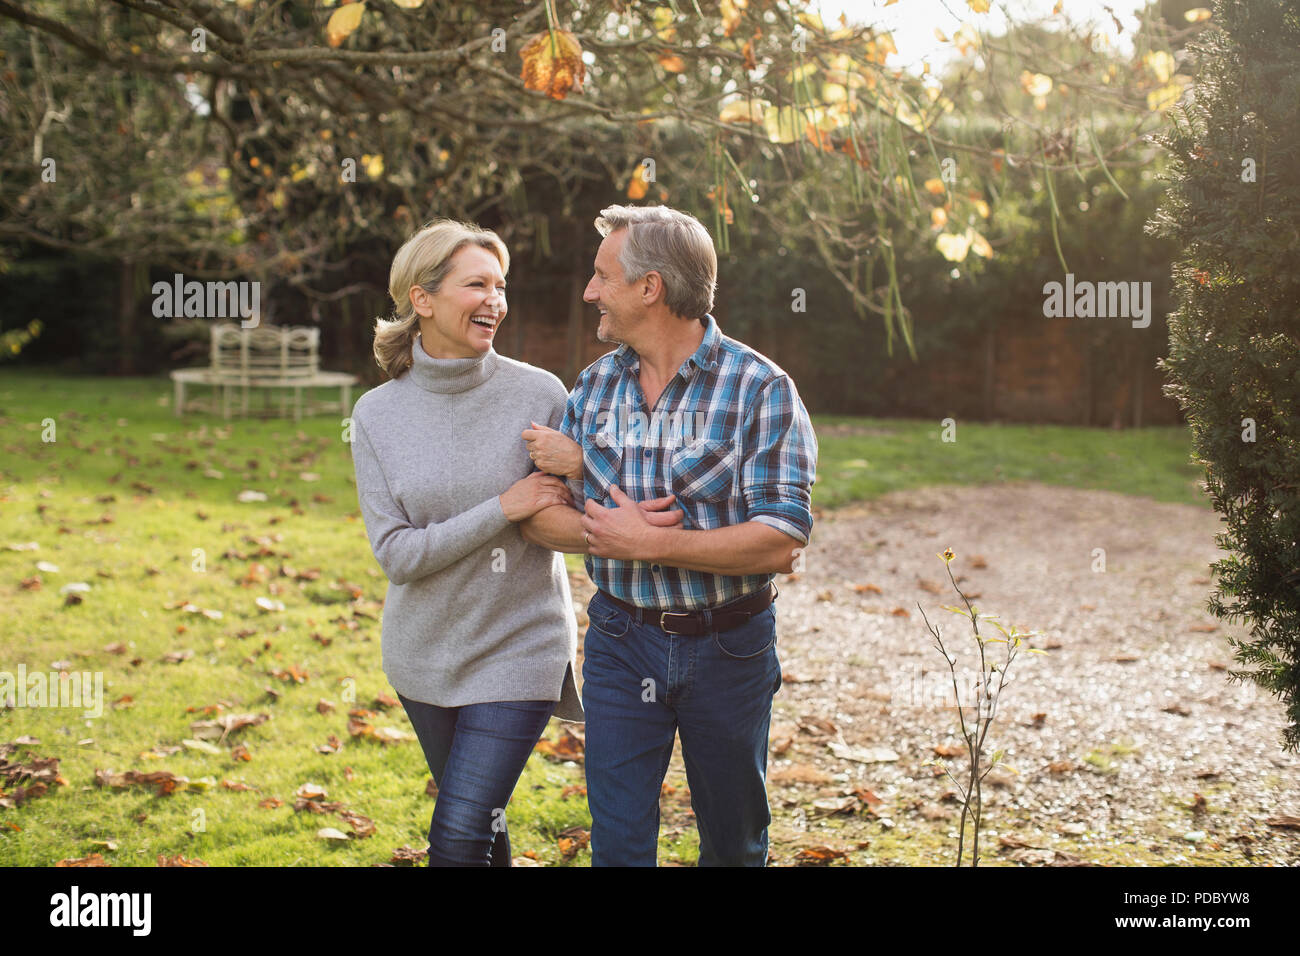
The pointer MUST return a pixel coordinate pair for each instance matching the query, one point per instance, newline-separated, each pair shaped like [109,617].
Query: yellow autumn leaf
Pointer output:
[1197,14]
[935,187]
[1166,96]
[743,111]
[938,35]
[554,74]
[907,116]
[374,165]
[784,124]
[834,93]
[811,21]
[966,39]
[886,42]
[952,247]
[802,73]
[730,16]
[638,185]
[979,6]
[982,208]
[1161,65]
[1035,84]
[938,217]
[979,245]
[343,22]
[672,62]
[663,18]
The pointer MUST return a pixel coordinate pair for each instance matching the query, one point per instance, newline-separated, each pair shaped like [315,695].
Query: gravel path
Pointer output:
[1125,743]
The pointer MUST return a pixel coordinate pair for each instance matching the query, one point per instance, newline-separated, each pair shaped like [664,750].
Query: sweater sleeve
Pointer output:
[405,552]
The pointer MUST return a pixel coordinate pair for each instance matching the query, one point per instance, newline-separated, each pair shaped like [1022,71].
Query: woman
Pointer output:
[479,635]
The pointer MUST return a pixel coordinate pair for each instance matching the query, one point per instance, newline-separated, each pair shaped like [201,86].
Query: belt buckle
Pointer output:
[663,616]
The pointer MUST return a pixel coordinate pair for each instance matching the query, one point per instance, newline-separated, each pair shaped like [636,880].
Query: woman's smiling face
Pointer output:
[461,320]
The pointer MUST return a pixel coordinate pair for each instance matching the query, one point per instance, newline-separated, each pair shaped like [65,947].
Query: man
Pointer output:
[682,635]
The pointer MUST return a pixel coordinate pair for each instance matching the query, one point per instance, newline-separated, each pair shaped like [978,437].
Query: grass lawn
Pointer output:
[144,509]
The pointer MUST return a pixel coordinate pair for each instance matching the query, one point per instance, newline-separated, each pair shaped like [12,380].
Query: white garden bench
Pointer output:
[266,356]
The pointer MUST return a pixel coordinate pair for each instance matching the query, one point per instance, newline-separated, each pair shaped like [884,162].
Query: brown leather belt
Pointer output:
[703,621]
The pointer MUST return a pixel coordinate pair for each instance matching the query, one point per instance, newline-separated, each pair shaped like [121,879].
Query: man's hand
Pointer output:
[660,511]
[559,527]
[553,451]
[625,532]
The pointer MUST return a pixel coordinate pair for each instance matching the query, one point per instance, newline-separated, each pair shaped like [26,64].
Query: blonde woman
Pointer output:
[479,635]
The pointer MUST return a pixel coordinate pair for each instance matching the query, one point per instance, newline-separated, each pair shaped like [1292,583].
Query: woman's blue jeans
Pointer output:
[476,754]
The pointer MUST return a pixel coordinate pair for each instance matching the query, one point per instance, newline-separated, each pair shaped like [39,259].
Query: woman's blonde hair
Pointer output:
[424,260]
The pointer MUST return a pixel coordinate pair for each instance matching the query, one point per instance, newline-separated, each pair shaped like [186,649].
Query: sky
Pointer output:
[912,22]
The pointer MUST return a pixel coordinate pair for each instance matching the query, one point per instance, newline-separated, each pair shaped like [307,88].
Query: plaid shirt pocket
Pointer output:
[703,477]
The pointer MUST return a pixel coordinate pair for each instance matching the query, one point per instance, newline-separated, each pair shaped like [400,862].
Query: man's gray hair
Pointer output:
[675,245]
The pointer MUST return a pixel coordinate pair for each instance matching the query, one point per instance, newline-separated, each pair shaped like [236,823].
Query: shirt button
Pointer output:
[655,568]
[648,453]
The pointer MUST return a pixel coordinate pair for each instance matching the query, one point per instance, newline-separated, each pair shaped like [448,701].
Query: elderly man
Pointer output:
[682,636]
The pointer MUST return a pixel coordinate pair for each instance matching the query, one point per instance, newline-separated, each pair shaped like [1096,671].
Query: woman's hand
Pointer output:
[531,494]
[553,451]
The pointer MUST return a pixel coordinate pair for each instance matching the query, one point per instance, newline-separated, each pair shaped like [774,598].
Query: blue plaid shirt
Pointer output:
[728,436]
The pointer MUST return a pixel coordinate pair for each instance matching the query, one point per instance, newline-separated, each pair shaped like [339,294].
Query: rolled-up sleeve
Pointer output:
[405,552]
[571,425]
[780,460]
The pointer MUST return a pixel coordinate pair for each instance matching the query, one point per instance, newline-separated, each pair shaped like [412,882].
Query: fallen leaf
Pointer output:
[862,754]
[572,840]
[361,825]
[818,727]
[569,747]
[404,854]
[818,856]
[798,773]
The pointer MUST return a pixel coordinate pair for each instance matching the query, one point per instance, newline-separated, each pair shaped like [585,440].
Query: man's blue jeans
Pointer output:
[476,754]
[640,684]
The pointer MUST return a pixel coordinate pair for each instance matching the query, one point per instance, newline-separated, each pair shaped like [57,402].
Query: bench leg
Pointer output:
[178,398]
[297,403]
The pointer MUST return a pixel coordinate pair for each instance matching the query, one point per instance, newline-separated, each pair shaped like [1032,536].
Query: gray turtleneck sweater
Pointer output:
[474,613]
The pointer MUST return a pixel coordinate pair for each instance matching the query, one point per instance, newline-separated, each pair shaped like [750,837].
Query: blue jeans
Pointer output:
[642,684]
[476,754]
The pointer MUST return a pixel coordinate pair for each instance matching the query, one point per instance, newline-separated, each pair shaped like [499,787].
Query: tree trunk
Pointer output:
[132,278]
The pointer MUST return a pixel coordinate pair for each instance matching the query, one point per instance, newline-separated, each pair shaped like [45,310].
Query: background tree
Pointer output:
[1234,208]
[297,143]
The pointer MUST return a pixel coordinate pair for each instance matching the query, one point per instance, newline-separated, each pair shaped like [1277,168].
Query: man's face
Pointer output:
[619,303]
